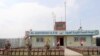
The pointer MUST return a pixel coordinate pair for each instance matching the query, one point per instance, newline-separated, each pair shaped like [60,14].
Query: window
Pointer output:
[39,39]
[76,38]
[59,25]
[79,39]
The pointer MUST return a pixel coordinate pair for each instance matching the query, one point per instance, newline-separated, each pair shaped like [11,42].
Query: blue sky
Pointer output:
[17,16]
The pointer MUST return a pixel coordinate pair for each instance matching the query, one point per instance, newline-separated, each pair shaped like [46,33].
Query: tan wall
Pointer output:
[69,41]
[94,41]
[50,39]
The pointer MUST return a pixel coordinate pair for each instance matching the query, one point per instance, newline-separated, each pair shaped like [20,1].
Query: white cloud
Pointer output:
[2,4]
[15,20]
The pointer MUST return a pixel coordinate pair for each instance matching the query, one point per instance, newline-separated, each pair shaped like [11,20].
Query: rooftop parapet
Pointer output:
[74,32]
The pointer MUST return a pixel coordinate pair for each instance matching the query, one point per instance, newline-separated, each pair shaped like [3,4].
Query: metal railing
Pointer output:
[87,51]
[33,52]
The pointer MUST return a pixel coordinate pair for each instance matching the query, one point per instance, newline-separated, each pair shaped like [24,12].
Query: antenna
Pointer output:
[54,17]
[65,9]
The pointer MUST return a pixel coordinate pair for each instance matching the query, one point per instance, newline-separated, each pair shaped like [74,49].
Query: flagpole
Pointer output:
[65,9]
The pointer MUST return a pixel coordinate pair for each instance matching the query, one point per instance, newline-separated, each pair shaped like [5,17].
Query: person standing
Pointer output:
[47,44]
[7,47]
[81,42]
[29,46]
[58,44]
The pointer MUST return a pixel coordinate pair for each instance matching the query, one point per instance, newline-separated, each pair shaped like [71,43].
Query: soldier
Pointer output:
[47,44]
[29,46]
[7,47]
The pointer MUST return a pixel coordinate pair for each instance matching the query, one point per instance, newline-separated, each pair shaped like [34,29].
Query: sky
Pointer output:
[18,16]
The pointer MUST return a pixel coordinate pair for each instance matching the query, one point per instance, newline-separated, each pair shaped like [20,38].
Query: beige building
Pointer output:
[64,37]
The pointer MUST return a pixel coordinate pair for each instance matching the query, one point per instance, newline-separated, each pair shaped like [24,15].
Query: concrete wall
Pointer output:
[69,41]
[17,42]
[94,41]
[2,43]
[42,44]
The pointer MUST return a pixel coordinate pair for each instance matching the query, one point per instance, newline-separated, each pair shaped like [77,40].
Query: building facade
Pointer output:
[2,43]
[16,42]
[65,37]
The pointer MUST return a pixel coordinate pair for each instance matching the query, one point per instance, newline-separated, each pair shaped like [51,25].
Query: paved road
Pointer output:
[69,52]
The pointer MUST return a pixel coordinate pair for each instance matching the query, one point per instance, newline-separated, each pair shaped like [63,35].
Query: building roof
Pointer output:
[73,32]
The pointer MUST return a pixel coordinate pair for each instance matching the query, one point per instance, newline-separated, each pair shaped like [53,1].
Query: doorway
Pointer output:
[97,41]
[61,40]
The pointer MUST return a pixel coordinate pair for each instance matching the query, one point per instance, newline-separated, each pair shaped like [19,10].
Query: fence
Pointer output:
[33,52]
[87,51]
